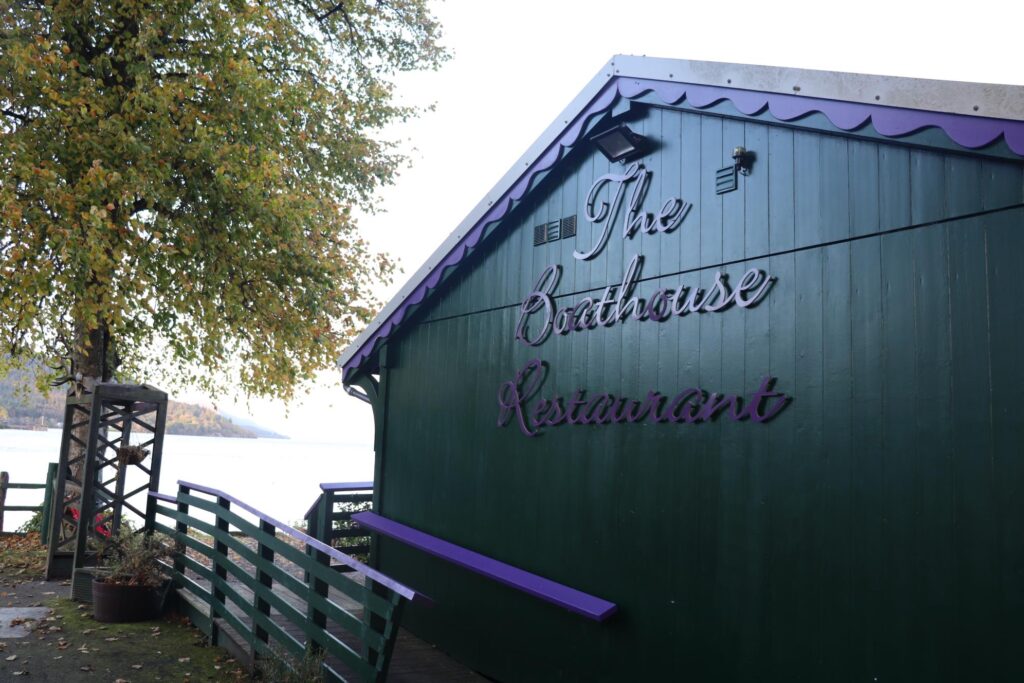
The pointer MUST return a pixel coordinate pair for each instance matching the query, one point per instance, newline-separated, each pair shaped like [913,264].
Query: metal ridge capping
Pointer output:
[556,593]
[401,589]
[969,131]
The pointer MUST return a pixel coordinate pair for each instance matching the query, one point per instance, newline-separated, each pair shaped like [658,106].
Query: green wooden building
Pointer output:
[738,351]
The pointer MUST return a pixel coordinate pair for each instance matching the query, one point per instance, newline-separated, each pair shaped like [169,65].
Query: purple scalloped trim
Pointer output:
[970,132]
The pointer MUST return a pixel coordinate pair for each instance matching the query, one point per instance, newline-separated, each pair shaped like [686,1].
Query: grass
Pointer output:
[71,646]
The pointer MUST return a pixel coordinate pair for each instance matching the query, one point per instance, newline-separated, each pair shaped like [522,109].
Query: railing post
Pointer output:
[219,569]
[313,529]
[262,606]
[181,527]
[327,519]
[44,521]
[319,586]
[4,479]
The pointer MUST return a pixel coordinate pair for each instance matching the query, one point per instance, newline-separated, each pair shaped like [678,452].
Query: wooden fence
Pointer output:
[44,508]
[255,579]
[325,522]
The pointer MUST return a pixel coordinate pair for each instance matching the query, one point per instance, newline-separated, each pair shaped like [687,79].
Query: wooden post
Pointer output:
[181,528]
[220,571]
[316,585]
[262,606]
[44,521]
[4,478]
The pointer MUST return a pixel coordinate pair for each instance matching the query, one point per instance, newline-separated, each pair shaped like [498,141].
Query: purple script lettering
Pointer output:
[517,398]
[618,303]
[672,213]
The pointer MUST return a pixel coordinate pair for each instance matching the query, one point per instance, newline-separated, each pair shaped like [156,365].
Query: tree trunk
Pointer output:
[88,361]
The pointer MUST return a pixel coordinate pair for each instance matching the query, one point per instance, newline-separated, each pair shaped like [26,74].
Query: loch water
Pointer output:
[281,477]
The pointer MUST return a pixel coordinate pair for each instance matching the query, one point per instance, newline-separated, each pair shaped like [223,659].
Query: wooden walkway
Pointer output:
[412,660]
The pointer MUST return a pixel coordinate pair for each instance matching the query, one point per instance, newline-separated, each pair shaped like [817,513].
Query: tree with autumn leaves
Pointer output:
[178,181]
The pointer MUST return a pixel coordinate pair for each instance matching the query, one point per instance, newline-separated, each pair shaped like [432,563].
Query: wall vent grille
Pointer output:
[540,235]
[569,226]
[725,180]
[554,230]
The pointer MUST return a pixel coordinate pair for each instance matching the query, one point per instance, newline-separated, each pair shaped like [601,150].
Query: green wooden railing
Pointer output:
[333,526]
[250,574]
[44,508]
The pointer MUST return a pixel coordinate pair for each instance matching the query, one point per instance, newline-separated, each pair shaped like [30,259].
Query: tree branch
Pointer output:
[15,115]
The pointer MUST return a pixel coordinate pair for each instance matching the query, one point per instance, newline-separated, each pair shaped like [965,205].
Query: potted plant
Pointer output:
[131,585]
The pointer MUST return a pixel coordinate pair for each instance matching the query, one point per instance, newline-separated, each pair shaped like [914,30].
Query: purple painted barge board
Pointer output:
[571,599]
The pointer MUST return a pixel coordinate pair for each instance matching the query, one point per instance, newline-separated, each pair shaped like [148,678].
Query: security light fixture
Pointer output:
[621,144]
[743,158]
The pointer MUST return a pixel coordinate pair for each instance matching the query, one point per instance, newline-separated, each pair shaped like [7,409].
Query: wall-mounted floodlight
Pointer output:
[621,144]
[743,159]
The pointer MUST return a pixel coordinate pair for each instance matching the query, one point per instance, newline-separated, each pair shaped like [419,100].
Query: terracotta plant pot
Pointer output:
[115,603]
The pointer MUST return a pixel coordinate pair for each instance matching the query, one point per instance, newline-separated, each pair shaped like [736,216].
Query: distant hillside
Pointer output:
[261,432]
[22,407]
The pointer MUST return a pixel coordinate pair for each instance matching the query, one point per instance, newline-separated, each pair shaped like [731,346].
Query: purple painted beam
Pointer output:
[348,486]
[401,589]
[569,598]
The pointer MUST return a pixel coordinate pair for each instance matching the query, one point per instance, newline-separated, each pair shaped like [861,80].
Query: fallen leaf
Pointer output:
[182,660]
[12,658]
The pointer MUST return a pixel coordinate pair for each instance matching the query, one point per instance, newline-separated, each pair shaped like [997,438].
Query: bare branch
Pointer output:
[15,115]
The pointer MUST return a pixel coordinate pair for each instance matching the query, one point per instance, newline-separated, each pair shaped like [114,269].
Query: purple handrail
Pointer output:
[571,599]
[401,589]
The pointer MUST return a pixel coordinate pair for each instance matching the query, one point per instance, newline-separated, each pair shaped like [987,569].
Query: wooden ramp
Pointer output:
[265,590]
[412,661]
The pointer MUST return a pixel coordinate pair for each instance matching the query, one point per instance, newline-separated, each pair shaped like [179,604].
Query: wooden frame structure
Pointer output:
[91,494]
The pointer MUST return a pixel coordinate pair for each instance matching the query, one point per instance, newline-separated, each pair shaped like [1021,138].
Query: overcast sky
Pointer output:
[516,65]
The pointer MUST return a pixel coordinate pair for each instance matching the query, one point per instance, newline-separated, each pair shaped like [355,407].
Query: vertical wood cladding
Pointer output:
[873,530]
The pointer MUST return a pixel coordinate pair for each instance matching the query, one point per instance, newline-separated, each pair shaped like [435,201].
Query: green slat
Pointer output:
[189,584]
[26,486]
[376,604]
[332,610]
[23,508]
[343,516]
[353,532]
[198,619]
[259,619]
[331,644]
[221,609]
[353,498]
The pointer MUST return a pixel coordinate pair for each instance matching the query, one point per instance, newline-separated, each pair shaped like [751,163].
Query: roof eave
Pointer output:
[975,100]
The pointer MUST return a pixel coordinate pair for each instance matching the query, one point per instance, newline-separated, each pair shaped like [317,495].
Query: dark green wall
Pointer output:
[873,531]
